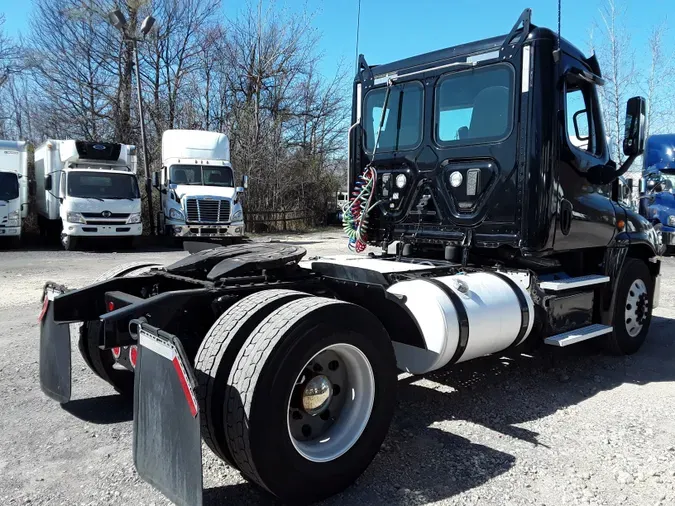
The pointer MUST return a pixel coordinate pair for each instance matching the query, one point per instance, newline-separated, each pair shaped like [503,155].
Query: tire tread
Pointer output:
[246,372]
[213,347]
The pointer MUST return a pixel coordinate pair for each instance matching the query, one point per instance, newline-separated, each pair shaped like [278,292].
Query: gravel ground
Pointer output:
[566,427]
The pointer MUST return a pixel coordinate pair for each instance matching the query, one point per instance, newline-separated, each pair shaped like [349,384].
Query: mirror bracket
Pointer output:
[577,74]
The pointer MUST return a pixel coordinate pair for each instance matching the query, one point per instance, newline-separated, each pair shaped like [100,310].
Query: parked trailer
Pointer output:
[509,236]
[13,190]
[87,190]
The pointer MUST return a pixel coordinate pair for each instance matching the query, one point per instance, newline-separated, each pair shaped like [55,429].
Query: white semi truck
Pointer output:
[13,190]
[87,190]
[196,184]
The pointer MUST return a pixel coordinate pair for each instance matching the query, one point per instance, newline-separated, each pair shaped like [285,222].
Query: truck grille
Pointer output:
[207,211]
[105,218]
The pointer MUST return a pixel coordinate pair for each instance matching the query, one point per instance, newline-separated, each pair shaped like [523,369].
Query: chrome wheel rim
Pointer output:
[636,308]
[331,402]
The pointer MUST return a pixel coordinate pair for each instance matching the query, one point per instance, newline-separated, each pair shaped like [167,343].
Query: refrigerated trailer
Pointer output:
[13,190]
[87,190]
[506,233]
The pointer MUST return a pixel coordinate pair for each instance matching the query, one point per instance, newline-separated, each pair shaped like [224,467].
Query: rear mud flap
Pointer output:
[55,380]
[167,437]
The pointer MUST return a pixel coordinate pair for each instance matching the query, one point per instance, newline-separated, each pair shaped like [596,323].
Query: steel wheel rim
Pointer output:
[636,308]
[353,403]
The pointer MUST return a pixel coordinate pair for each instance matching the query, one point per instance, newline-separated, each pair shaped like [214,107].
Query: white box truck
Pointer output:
[87,190]
[13,190]
[196,184]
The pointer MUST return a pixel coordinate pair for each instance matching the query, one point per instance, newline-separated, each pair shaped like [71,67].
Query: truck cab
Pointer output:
[657,198]
[88,190]
[13,190]
[197,187]
[471,152]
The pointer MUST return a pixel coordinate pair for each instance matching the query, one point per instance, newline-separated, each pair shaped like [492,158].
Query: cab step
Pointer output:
[578,335]
[569,283]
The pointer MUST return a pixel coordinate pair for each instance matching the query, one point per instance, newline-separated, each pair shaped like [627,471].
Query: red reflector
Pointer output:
[43,312]
[116,352]
[133,355]
[184,385]
[111,306]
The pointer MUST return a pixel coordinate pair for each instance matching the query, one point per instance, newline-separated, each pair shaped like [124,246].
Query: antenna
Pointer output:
[556,52]
[358,26]
[559,16]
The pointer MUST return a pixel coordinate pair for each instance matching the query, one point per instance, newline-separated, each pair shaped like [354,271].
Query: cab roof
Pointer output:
[480,47]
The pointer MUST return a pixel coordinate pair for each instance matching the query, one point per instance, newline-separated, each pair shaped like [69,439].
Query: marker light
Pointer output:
[456,179]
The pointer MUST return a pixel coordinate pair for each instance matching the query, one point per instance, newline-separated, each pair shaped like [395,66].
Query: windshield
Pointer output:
[660,152]
[103,185]
[9,186]
[205,175]
[402,127]
[474,106]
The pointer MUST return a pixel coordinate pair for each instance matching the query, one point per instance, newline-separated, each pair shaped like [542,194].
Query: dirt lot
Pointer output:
[565,427]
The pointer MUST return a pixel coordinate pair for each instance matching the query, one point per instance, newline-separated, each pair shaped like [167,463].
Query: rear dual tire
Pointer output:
[218,352]
[267,390]
[102,361]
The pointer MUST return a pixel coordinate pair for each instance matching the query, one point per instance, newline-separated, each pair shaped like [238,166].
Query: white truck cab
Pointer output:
[88,190]
[197,188]
[13,190]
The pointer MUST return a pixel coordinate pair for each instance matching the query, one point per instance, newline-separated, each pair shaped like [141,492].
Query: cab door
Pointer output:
[585,213]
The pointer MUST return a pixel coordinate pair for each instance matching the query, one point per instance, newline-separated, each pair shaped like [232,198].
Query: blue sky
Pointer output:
[394,29]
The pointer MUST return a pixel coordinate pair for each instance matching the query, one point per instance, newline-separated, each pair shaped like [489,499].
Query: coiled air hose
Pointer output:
[355,214]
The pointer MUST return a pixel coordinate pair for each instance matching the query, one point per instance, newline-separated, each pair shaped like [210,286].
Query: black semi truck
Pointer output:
[482,171]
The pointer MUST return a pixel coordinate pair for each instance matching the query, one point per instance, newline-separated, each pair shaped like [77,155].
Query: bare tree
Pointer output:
[73,68]
[9,54]
[175,54]
[657,88]
[255,77]
[618,58]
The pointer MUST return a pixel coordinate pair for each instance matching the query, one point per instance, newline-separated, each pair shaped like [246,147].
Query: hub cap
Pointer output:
[317,395]
[637,308]
[331,403]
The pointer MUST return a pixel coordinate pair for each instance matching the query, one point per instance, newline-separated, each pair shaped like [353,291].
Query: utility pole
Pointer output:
[118,20]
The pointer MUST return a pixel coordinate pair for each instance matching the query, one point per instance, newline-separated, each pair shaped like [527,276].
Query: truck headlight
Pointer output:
[671,221]
[13,219]
[175,214]
[237,215]
[401,180]
[134,218]
[75,218]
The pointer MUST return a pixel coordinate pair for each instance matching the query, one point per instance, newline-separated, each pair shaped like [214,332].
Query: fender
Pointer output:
[638,240]
[638,234]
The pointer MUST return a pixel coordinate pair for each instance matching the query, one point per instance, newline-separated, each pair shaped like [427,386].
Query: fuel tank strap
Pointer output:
[524,309]
[462,318]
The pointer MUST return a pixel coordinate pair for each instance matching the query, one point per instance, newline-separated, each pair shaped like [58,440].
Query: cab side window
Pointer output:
[583,129]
